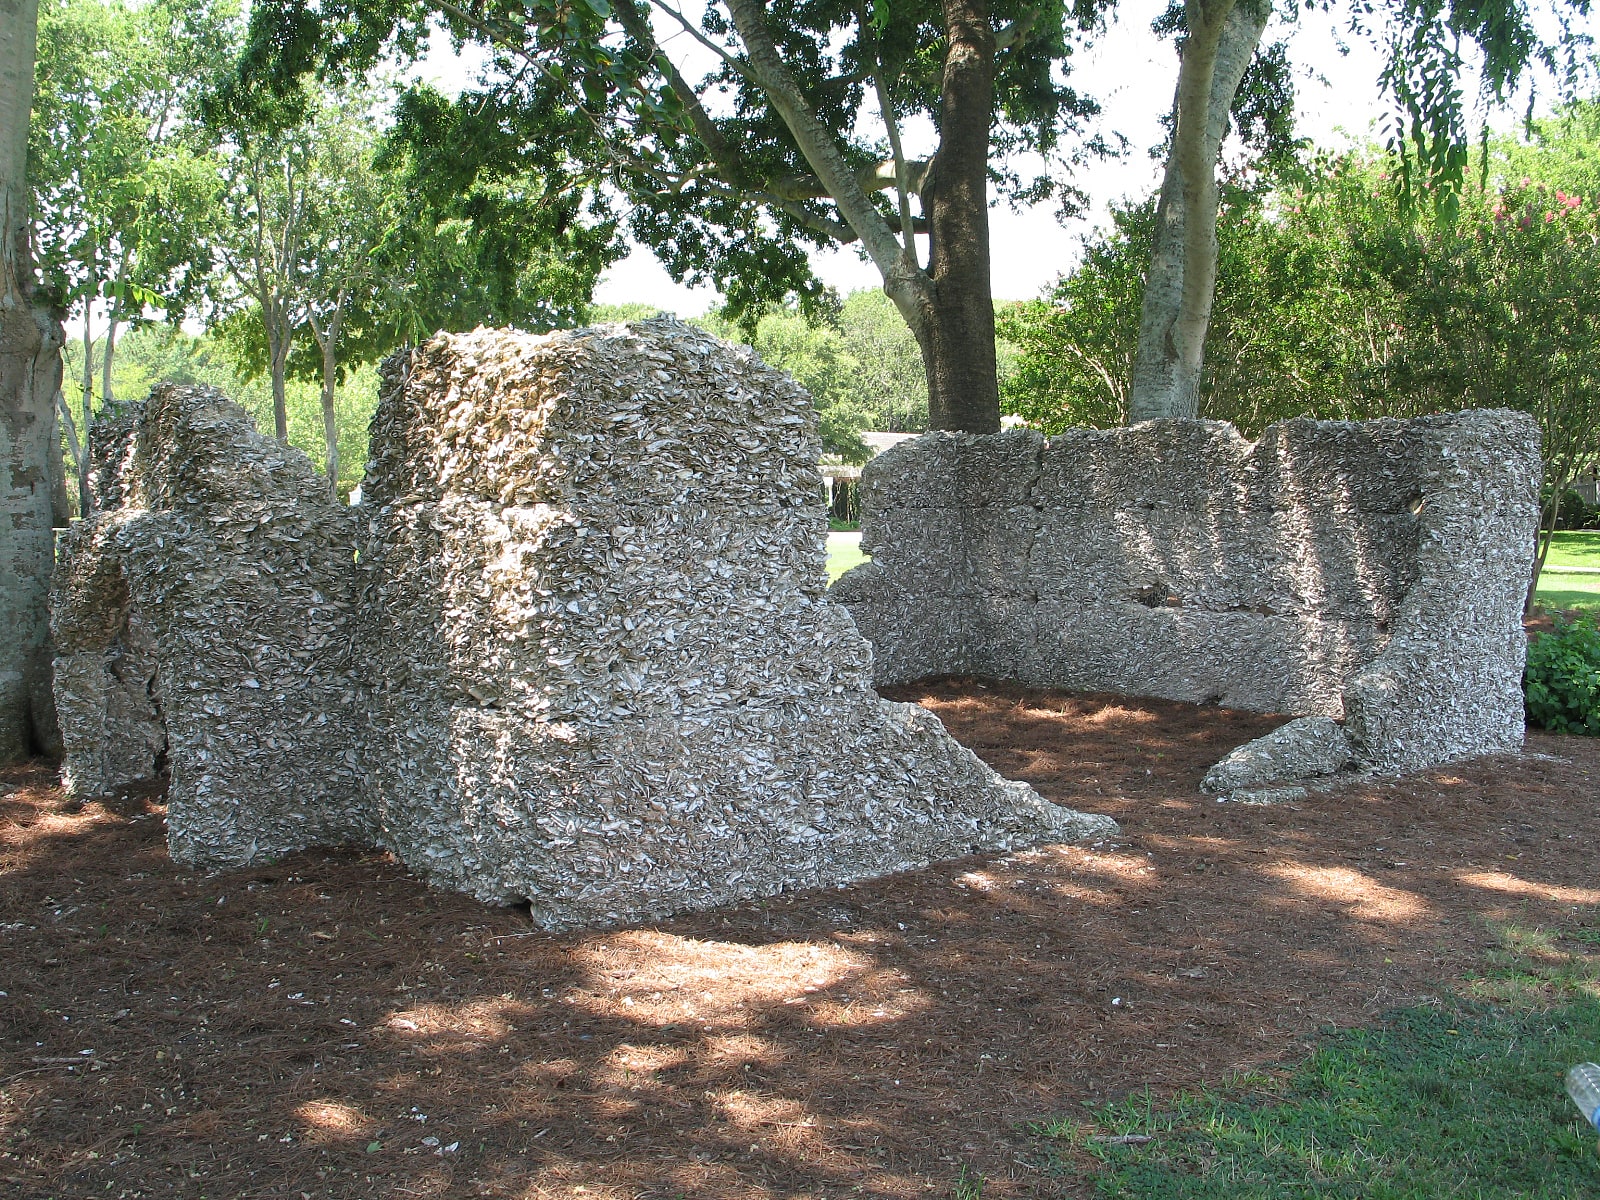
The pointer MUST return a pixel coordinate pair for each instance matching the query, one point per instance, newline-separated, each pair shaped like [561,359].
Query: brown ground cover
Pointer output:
[326,1027]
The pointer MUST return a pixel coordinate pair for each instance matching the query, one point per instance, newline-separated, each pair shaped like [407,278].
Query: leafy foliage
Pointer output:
[1336,301]
[1433,47]
[1562,680]
[712,192]
[115,157]
[1575,512]
[732,178]
[862,367]
[160,354]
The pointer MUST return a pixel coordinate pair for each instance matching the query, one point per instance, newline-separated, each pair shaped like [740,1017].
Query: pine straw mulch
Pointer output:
[326,1027]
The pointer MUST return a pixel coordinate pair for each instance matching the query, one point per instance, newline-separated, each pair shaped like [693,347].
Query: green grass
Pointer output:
[844,552]
[1561,590]
[1460,1099]
[1575,548]
[1556,592]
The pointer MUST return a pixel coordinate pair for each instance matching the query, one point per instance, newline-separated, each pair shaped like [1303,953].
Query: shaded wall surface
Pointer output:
[202,621]
[1372,572]
[604,672]
[574,648]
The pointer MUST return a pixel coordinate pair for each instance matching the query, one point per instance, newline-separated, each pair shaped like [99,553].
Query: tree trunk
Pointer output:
[80,463]
[1562,468]
[86,393]
[957,336]
[1181,281]
[113,318]
[328,343]
[106,351]
[278,369]
[948,307]
[30,372]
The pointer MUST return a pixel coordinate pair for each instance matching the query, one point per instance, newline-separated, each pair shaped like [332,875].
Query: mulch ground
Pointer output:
[327,1027]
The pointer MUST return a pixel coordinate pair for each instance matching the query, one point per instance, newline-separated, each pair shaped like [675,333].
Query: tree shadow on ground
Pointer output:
[329,1027]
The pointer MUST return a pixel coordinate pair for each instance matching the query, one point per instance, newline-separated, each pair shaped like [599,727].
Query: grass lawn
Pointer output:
[1459,1098]
[1575,548]
[844,552]
[1559,589]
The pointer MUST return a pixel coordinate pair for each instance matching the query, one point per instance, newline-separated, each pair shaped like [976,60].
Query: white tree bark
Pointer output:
[327,335]
[30,373]
[1179,287]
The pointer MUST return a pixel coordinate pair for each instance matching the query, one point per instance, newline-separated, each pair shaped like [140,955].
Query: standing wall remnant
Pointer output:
[201,616]
[1371,572]
[574,648]
[605,674]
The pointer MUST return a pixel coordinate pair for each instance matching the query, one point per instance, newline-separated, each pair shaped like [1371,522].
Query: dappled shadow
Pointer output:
[328,1026]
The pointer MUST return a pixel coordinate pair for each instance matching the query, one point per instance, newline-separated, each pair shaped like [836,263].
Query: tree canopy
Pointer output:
[786,137]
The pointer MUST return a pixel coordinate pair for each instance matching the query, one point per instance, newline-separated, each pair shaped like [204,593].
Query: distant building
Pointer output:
[842,477]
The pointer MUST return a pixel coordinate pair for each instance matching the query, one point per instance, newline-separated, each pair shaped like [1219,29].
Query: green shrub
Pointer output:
[1562,681]
[1576,512]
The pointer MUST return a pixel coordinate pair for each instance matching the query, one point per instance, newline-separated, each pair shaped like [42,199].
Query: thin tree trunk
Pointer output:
[278,368]
[113,316]
[80,467]
[30,374]
[87,396]
[1549,518]
[1181,282]
[1547,528]
[328,342]
[60,502]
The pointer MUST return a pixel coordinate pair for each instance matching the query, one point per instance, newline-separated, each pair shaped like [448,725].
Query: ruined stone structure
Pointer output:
[1368,572]
[202,617]
[574,648]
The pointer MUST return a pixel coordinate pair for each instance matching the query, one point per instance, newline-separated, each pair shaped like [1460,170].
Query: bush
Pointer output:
[1562,681]
[1577,513]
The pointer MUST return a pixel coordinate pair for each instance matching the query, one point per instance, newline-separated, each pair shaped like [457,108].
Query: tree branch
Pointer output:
[1016,33]
[732,62]
[638,28]
[902,177]
[820,150]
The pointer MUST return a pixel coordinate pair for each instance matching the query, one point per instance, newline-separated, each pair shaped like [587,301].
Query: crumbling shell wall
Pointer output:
[574,648]
[201,615]
[1372,572]
[604,672]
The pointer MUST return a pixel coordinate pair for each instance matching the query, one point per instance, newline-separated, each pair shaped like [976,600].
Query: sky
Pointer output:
[1132,73]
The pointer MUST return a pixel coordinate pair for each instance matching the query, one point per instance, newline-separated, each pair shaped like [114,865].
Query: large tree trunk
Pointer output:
[948,307]
[957,335]
[1222,38]
[30,372]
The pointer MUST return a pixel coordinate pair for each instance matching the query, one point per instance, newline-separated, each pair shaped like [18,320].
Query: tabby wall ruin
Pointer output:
[1370,572]
[201,620]
[573,648]
[604,673]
